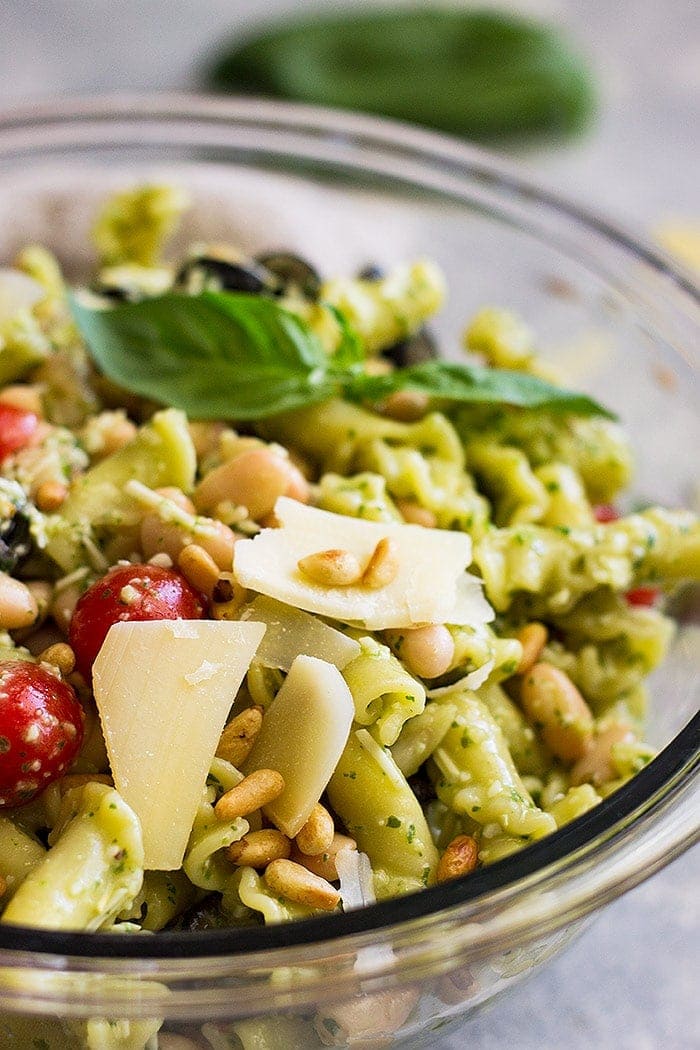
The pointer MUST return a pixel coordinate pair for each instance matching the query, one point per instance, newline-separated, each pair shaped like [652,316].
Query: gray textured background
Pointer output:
[630,982]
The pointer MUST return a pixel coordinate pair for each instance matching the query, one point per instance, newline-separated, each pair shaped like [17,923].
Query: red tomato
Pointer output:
[643,596]
[41,730]
[17,427]
[605,512]
[129,592]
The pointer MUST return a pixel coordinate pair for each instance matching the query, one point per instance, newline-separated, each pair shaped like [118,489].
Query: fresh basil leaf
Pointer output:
[475,383]
[350,352]
[216,355]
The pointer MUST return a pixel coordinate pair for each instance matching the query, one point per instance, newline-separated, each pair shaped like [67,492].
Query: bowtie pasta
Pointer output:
[280,663]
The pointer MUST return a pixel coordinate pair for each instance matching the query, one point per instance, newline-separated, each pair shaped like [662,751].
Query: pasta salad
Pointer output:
[294,614]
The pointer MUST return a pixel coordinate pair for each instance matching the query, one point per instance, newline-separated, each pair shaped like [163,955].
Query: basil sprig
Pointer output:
[226,355]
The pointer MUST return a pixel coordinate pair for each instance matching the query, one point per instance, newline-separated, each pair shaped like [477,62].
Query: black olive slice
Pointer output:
[412,351]
[292,270]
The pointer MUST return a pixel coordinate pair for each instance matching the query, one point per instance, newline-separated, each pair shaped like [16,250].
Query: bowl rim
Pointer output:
[678,763]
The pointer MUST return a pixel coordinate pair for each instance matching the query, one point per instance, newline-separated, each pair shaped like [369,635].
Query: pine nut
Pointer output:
[426,651]
[290,880]
[254,479]
[317,834]
[331,568]
[50,495]
[257,849]
[198,568]
[239,735]
[595,764]
[18,607]
[323,864]
[27,398]
[533,638]
[383,565]
[460,858]
[414,514]
[253,792]
[406,406]
[228,597]
[61,656]
[554,705]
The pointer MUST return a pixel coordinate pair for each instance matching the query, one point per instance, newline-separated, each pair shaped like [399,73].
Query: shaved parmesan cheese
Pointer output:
[303,735]
[291,632]
[430,586]
[163,689]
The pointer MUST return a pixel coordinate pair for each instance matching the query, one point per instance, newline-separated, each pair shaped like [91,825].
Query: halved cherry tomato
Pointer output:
[604,513]
[129,592]
[41,730]
[643,595]
[17,427]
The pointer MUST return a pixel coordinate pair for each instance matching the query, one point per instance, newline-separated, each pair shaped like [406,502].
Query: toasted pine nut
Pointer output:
[28,398]
[383,565]
[317,834]
[414,514]
[253,792]
[255,479]
[298,884]
[533,638]
[331,568]
[426,651]
[18,607]
[460,858]
[257,849]
[228,597]
[158,536]
[323,864]
[50,495]
[555,706]
[407,406]
[239,735]
[595,764]
[61,656]
[198,568]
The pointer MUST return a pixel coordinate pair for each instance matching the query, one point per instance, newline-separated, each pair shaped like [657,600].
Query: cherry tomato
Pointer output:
[41,730]
[129,592]
[604,513]
[17,427]
[643,595]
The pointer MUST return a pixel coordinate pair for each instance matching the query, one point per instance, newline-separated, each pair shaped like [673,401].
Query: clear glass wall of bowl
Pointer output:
[613,319]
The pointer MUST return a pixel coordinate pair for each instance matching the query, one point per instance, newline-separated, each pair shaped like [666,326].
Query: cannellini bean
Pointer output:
[317,834]
[28,398]
[177,496]
[595,764]
[426,651]
[255,479]
[158,536]
[298,884]
[533,638]
[555,706]
[18,606]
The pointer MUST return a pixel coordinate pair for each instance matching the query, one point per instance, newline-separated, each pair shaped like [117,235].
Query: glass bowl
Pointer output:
[615,318]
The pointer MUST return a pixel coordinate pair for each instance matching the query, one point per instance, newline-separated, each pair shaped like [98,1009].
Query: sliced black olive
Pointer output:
[371,273]
[292,270]
[205,915]
[15,541]
[227,276]
[411,351]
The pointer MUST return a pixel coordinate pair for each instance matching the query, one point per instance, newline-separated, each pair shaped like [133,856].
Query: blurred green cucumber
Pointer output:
[478,73]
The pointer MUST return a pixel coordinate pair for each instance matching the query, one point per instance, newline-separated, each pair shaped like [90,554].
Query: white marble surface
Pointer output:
[630,982]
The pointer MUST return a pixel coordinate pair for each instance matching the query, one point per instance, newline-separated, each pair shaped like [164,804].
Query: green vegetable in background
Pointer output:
[229,355]
[481,74]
